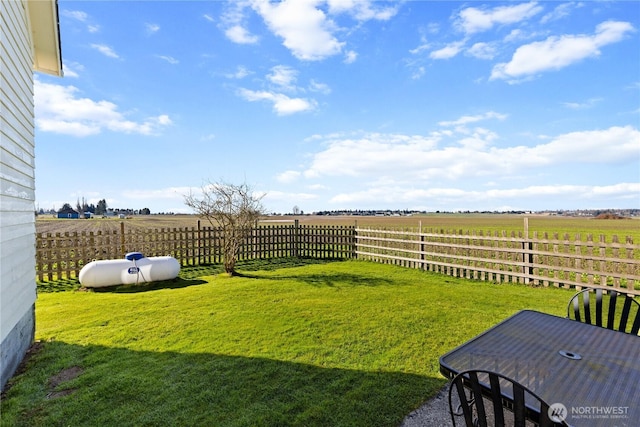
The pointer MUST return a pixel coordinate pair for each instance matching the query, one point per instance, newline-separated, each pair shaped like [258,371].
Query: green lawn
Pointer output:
[324,344]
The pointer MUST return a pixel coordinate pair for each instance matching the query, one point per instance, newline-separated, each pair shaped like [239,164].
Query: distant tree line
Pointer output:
[370,212]
[100,209]
[631,212]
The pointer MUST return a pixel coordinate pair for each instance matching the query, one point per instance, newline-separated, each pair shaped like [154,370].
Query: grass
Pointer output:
[289,344]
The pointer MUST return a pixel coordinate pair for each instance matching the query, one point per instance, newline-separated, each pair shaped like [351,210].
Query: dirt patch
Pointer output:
[60,378]
[610,216]
[65,375]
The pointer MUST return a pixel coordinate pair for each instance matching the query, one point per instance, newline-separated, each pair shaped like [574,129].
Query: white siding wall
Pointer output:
[17,186]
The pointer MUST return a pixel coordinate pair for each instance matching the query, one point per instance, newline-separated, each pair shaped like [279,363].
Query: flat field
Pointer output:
[448,222]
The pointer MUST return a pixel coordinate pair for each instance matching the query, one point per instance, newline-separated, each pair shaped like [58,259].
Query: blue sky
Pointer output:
[344,104]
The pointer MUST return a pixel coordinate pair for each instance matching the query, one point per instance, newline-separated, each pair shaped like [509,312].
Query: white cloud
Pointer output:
[370,154]
[418,73]
[288,177]
[464,154]
[322,88]
[233,23]
[555,53]
[105,50]
[473,20]
[589,103]
[515,35]
[318,187]
[472,119]
[627,190]
[163,120]
[169,59]
[449,51]
[151,28]
[240,73]
[482,50]
[306,27]
[493,199]
[350,57]
[75,14]
[306,30]
[239,34]
[60,110]
[72,69]
[283,76]
[616,144]
[282,104]
[519,35]
[561,11]
[362,10]
[423,46]
[81,17]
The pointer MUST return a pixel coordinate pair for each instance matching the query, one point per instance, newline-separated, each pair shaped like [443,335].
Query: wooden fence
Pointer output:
[501,257]
[62,255]
[541,260]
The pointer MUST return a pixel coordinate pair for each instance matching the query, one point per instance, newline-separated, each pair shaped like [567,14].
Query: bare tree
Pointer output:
[234,209]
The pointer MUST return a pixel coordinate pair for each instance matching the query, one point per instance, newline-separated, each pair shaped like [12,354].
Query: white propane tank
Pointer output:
[135,268]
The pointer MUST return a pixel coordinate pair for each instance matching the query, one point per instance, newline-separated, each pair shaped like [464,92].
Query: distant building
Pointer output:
[68,213]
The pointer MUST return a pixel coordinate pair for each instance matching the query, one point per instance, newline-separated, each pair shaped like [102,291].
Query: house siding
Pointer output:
[17,189]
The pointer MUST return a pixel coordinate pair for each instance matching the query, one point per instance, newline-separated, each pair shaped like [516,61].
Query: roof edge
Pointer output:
[44,26]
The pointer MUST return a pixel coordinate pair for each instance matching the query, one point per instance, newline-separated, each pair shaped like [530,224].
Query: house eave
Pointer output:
[45,36]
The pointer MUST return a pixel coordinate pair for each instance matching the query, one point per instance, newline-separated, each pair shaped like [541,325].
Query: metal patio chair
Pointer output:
[491,399]
[622,313]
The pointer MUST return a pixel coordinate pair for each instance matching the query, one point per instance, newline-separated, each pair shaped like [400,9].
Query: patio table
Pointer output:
[594,372]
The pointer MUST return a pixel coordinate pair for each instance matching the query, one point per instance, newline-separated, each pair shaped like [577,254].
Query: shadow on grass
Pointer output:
[278,263]
[317,279]
[188,276]
[327,279]
[61,285]
[124,387]
[66,285]
[176,283]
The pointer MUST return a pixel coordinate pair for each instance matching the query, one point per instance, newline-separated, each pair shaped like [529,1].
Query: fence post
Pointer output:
[423,264]
[527,255]
[122,240]
[199,248]
[354,241]
[296,238]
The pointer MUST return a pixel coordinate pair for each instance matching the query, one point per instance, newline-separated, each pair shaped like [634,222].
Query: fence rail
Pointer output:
[499,257]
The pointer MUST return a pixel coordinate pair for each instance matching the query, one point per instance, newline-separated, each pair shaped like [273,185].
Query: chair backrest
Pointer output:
[620,313]
[485,395]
